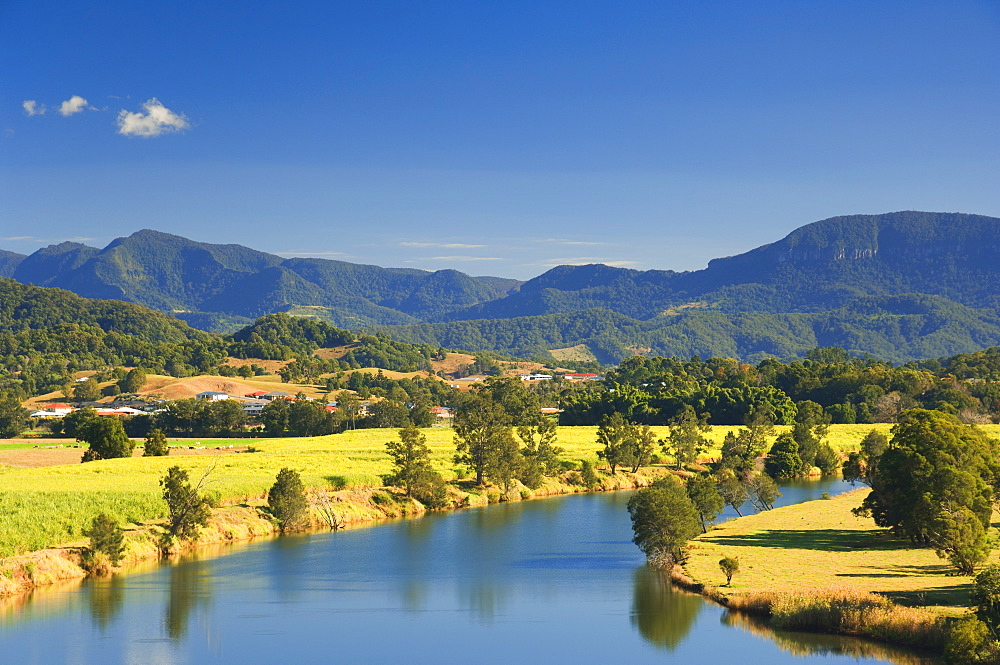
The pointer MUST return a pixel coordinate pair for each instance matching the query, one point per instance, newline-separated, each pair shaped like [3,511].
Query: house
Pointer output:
[582,376]
[253,407]
[212,396]
[274,395]
[55,410]
[535,377]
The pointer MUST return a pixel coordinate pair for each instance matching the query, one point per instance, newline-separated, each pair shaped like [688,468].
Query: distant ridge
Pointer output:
[899,286]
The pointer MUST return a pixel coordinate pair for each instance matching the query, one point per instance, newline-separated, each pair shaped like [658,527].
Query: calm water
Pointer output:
[555,580]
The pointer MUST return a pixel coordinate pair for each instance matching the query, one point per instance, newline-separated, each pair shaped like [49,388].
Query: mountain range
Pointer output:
[897,286]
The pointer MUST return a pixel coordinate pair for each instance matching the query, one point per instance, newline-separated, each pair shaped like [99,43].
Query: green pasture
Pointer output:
[47,506]
[819,547]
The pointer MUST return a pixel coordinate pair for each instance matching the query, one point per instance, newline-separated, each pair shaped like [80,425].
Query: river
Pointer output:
[555,580]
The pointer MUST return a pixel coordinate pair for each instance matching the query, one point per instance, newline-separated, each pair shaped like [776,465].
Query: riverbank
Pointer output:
[815,566]
[22,573]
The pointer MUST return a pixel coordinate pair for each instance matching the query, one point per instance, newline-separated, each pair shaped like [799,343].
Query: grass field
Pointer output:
[42,507]
[820,545]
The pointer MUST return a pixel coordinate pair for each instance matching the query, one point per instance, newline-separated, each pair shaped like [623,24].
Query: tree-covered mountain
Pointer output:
[211,283]
[820,266]
[898,286]
[46,334]
[9,262]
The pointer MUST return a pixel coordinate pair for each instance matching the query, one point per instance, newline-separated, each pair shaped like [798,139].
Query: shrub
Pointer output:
[107,544]
[970,641]
[187,510]
[588,475]
[730,566]
[156,444]
[287,500]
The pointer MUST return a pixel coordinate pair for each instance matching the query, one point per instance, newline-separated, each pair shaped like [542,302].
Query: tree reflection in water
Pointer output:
[190,587]
[105,598]
[664,615]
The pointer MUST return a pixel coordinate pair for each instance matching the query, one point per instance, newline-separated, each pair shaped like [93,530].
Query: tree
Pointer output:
[75,422]
[133,381]
[612,434]
[13,417]
[663,520]
[741,450]
[686,441]
[413,471]
[86,391]
[732,489]
[107,439]
[156,444]
[541,456]
[783,461]
[763,491]
[860,466]
[730,566]
[986,595]
[274,417]
[483,435]
[287,499]
[704,493]
[936,475]
[107,544]
[959,536]
[187,510]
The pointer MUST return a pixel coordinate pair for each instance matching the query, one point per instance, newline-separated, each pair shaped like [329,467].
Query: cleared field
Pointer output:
[41,507]
[820,545]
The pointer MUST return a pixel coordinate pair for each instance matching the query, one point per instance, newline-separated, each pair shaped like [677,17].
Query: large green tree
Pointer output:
[187,509]
[287,499]
[107,439]
[411,459]
[687,436]
[663,519]
[934,479]
[13,417]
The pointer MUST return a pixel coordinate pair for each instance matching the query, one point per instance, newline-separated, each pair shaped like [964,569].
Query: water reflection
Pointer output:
[804,645]
[105,599]
[663,615]
[189,588]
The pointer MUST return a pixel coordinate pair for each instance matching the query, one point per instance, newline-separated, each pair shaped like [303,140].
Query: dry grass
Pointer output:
[847,612]
[821,545]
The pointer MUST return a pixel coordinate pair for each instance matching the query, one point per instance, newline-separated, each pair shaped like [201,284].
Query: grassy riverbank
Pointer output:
[815,566]
[48,506]
[820,545]
[44,510]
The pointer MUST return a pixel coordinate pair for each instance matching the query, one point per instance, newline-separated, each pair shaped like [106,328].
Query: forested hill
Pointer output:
[210,283]
[46,334]
[897,286]
[820,266]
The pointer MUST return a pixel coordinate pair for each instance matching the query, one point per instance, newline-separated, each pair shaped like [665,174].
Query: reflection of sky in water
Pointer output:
[555,580]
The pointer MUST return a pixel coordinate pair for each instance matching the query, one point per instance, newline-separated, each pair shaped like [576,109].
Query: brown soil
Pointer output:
[37,457]
[453,362]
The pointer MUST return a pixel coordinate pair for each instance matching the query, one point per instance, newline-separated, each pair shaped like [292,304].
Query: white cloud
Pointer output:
[466,258]
[156,120]
[73,105]
[32,107]
[586,260]
[448,245]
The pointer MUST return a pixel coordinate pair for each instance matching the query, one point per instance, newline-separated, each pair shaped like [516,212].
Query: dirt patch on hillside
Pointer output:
[579,353]
[453,362]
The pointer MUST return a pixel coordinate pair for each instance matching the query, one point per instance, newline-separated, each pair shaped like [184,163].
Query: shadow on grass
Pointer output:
[827,540]
[956,595]
[336,482]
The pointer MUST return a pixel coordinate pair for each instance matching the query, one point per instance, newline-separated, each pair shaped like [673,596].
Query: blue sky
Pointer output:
[495,138]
